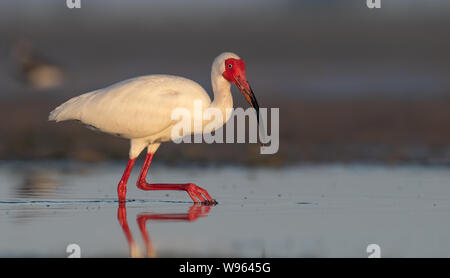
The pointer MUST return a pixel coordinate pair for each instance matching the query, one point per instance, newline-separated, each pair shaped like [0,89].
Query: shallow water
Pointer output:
[302,211]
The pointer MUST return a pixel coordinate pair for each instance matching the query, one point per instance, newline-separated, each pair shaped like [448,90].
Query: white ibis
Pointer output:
[140,109]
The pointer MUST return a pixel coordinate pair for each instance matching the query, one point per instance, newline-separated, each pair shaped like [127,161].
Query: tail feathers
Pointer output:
[69,110]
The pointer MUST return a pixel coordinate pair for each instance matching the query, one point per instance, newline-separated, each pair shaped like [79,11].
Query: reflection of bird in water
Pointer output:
[195,211]
[37,184]
[141,109]
[34,69]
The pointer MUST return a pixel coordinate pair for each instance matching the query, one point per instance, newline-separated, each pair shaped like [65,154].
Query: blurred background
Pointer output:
[353,84]
[364,98]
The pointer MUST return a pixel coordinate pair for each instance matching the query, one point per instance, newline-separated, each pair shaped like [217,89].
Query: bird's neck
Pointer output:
[223,99]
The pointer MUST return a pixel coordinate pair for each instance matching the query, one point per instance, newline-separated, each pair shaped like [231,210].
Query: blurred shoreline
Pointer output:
[371,131]
[352,84]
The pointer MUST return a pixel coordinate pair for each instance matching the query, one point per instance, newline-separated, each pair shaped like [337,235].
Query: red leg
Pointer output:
[195,192]
[148,244]
[122,217]
[122,187]
[195,211]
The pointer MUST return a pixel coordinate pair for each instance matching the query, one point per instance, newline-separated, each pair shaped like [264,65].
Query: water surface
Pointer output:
[302,211]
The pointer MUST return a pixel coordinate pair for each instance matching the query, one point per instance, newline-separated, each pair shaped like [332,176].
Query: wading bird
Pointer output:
[140,109]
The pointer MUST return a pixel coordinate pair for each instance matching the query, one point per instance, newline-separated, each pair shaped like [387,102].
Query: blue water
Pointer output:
[302,211]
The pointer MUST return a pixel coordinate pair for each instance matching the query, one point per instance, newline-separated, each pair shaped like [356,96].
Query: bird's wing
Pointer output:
[133,108]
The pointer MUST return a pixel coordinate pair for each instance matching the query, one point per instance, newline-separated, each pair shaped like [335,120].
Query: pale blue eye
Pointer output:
[230,66]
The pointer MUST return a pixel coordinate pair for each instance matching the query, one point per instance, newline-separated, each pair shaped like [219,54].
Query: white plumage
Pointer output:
[140,108]
[127,108]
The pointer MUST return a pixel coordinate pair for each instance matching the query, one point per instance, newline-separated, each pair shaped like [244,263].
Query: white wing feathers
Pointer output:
[133,108]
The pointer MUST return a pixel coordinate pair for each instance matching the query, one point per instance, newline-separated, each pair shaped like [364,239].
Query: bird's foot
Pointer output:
[199,194]
[210,203]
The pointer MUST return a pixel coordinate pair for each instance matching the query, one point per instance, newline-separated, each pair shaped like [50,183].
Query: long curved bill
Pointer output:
[247,91]
[242,84]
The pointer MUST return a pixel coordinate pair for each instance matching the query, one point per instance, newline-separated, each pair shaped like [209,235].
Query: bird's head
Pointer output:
[232,68]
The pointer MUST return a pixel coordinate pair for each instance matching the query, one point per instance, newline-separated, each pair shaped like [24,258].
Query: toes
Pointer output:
[211,202]
[205,193]
[193,197]
[197,193]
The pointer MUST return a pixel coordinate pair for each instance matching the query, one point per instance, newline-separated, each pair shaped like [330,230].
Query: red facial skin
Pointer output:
[235,73]
[237,69]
